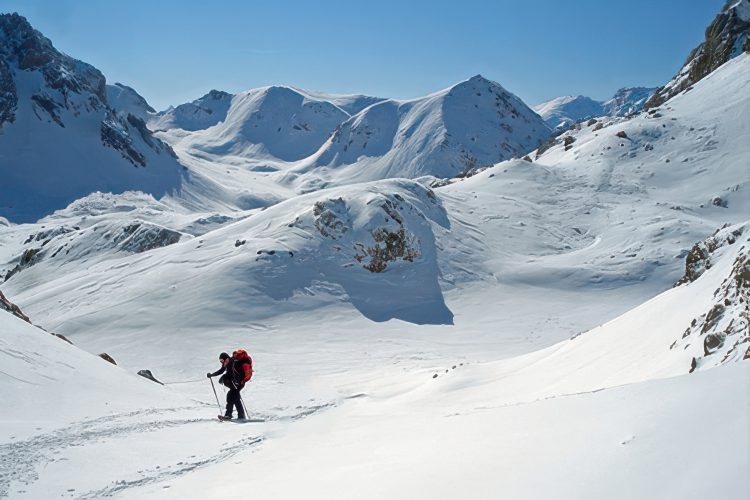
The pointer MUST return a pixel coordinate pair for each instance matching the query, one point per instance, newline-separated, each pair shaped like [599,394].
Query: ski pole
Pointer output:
[215,395]
[242,402]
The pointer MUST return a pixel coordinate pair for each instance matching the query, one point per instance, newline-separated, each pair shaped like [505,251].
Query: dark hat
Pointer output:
[223,355]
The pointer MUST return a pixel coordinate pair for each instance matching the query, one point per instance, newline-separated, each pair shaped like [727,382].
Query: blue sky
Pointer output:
[175,51]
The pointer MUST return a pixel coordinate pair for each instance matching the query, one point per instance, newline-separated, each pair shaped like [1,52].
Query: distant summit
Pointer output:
[564,111]
[200,114]
[473,124]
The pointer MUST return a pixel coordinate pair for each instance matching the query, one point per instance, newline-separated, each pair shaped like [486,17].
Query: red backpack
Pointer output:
[241,357]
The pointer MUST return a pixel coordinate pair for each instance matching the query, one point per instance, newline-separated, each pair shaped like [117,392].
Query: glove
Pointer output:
[240,387]
[208,375]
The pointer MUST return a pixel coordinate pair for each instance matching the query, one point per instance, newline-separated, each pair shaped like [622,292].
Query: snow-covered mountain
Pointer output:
[566,320]
[213,107]
[59,138]
[473,124]
[562,112]
[627,101]
[313,140]
[125,100]
[276,122]
[200,114]
[727,37]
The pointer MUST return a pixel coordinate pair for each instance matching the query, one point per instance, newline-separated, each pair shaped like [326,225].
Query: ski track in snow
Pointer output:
[158,474]
[22,461]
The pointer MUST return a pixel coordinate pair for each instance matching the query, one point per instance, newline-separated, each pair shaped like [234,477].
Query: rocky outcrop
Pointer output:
[71,243]
[106,357]
[8,97]
[147,374]
[698,259]
[389,246]
[723,330]
[142,236]
[388,242]
[331,218]
[727,37]
[9,306]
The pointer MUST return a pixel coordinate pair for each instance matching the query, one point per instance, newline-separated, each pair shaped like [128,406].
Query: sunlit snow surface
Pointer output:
[536,298]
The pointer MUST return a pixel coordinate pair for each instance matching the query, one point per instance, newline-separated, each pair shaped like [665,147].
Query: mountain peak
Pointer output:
[23,43]
[216,95]
[478,78]
[14,22]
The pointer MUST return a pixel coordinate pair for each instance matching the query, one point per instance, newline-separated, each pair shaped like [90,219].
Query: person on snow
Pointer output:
[237,370]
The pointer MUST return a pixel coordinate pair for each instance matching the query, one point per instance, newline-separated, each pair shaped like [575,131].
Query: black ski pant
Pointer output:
[233,400]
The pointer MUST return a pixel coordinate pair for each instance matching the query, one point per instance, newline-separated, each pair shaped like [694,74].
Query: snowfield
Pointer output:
[431,312]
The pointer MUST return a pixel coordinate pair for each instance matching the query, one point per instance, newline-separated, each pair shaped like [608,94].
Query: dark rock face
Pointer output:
[9,306]
[147,374]
[726,37]
[712,342]
[108,358]
[29,50]
[28,258]
[116,137]
[8,97]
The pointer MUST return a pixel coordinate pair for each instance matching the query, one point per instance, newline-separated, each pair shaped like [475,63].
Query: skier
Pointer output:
[237,370]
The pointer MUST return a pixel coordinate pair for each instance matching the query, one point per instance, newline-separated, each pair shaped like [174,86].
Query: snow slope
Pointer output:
[408,341]
[604,414]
